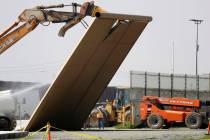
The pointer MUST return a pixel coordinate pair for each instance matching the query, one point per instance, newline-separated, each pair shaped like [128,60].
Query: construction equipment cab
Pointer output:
[30,18]
[159,111]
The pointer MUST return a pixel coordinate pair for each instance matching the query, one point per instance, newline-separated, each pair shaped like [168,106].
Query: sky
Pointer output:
[40,55]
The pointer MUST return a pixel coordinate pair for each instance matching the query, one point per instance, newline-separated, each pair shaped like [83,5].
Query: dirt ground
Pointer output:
[134,134]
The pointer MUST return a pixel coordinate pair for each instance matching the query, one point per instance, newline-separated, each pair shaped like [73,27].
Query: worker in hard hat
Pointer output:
[100,118]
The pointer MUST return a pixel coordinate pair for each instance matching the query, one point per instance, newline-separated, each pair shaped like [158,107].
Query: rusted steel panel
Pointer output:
[74,93]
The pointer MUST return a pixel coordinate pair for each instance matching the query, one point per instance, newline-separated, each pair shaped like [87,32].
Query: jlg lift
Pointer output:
[160,111]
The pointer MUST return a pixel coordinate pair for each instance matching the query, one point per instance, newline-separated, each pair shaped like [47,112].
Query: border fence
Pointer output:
[171,85]
[167,85]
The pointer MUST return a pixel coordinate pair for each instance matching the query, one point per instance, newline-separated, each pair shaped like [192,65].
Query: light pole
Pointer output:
[197,22]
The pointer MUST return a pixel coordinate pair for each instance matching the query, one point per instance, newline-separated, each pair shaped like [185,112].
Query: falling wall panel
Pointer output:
[86,74]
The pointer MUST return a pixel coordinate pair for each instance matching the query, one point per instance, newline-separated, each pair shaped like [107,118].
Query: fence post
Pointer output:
[131,79]
[145,89]
[132,114]
[185,85]
[209,83]
[131,86]
[172,84]
[159,84]
[197,86]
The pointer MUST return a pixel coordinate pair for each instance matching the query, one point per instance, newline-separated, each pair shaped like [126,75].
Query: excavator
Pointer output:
[31,18]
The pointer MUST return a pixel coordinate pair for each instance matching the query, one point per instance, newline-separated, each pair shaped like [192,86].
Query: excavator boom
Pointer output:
[31,18]
[7,41]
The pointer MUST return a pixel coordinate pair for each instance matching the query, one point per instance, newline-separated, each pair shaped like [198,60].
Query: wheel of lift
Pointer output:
[155,121]
[193,120]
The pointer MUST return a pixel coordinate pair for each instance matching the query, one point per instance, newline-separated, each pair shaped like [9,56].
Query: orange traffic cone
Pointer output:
[48,132]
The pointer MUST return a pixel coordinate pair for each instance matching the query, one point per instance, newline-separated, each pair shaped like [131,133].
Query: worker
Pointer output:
[100,118]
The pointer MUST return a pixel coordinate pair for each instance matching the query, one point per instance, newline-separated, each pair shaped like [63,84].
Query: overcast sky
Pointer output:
[39,56]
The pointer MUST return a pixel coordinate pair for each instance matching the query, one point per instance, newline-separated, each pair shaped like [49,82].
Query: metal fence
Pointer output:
[166,85]
[173,84]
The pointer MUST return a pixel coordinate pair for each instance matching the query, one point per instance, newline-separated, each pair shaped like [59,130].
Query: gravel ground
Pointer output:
[135,134]
[121,134]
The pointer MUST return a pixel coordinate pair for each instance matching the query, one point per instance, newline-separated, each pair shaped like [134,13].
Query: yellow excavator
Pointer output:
[31,18]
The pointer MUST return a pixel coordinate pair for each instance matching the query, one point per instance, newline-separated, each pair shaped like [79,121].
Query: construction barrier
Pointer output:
[47,134]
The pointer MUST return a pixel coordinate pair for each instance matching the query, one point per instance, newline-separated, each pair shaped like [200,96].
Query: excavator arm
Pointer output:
[31,18]
[8,40]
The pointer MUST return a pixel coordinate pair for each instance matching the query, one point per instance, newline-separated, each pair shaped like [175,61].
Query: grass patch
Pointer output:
[127,125]
[206,137]
[184,138]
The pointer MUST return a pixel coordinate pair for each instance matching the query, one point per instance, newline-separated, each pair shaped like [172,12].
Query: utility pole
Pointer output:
[197,22]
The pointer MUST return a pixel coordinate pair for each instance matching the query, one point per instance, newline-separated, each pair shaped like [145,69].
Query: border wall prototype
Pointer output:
[88,71]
